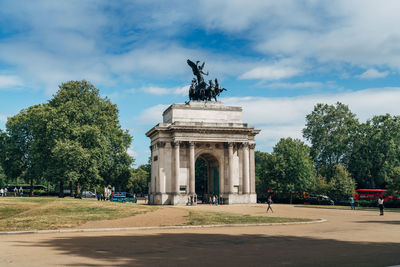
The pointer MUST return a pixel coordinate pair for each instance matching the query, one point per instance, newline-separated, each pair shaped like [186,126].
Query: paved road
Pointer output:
[348,238]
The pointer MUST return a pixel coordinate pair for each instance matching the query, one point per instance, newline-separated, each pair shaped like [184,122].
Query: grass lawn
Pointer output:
[346,207]
[43,213]
[208,217]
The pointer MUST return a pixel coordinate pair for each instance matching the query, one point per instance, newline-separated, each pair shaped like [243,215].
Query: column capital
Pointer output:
[243,144]
[252,146]
[175,143]
[229,144]
[191,143]
[160,144]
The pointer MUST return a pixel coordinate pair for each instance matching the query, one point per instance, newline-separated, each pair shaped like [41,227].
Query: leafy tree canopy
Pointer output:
[376,151]
[294,169]
[329,129]
[75,137]
[341,185]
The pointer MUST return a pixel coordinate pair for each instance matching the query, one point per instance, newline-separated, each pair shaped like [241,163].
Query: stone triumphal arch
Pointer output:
[213,133]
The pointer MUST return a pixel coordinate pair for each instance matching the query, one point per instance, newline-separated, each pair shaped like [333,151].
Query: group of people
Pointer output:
[380,204]
[101,197]
[4,191]
[213,200]
[192,200]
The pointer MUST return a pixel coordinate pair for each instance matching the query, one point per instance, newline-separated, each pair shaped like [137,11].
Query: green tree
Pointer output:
[321,187]
[85,127]
[140,177]
[341,186]
[376,151]
[265,172]
[75,138]
[23,145]
[3,178]
[293,168]
[3,138]
[394,180]
[329,129]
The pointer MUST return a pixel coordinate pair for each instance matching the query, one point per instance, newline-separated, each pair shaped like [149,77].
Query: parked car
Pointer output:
[88,194]
[320,200]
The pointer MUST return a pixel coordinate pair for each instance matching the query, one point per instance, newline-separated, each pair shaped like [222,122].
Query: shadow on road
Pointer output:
[222,250]
[384,222]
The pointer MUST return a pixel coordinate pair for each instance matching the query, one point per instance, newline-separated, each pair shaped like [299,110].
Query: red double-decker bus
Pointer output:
[368,194]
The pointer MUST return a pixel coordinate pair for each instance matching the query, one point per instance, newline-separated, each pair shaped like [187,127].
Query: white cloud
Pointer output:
[285,116]
[7,81]
[77,40]
[184,90]
[373,74]
[297,85]
[355,32]
[131,152]
[155,90]
[3,118]
[165,91]
[270,73]
[152,115]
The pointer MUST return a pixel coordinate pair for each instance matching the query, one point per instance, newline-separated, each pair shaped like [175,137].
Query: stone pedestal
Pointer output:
[212,131]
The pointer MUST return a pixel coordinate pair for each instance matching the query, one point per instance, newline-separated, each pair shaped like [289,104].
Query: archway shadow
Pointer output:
[188,249]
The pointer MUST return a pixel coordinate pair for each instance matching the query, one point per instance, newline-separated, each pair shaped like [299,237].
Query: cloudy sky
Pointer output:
[276,58]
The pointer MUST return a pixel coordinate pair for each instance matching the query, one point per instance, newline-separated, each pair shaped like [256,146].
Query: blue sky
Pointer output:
[276,58]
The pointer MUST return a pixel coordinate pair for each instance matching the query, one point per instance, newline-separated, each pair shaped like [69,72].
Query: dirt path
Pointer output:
[348,238]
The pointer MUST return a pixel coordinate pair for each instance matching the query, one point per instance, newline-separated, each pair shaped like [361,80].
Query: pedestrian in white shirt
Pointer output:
[380,204]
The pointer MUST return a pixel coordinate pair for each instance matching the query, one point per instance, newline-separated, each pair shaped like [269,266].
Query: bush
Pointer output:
[392,203]
[367,203]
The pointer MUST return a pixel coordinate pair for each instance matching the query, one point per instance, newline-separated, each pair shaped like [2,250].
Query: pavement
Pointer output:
[347,238]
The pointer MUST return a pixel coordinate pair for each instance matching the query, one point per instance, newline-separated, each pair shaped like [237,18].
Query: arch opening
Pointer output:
[206,178]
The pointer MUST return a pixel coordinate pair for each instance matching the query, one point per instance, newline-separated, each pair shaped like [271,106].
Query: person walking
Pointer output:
[15,191]
[269,202]
[2,192]
[5,191]
[380,204]
[351,200]
[21,191]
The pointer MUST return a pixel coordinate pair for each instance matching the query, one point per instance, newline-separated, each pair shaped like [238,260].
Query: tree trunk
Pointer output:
[61,194]
[71,189]
[372,182]
[78,190]
[31,187]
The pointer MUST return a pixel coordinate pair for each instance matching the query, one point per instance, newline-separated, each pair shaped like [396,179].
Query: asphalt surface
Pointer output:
[347,238]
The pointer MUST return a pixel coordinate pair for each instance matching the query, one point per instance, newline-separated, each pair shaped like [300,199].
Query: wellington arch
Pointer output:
[206,132]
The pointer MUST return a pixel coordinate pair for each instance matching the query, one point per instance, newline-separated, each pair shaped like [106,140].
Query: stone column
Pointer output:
[161,174]
[221,179]
[192,189]
[152,188]
[176,167]
[246,173]
[252,169]
[231,170]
